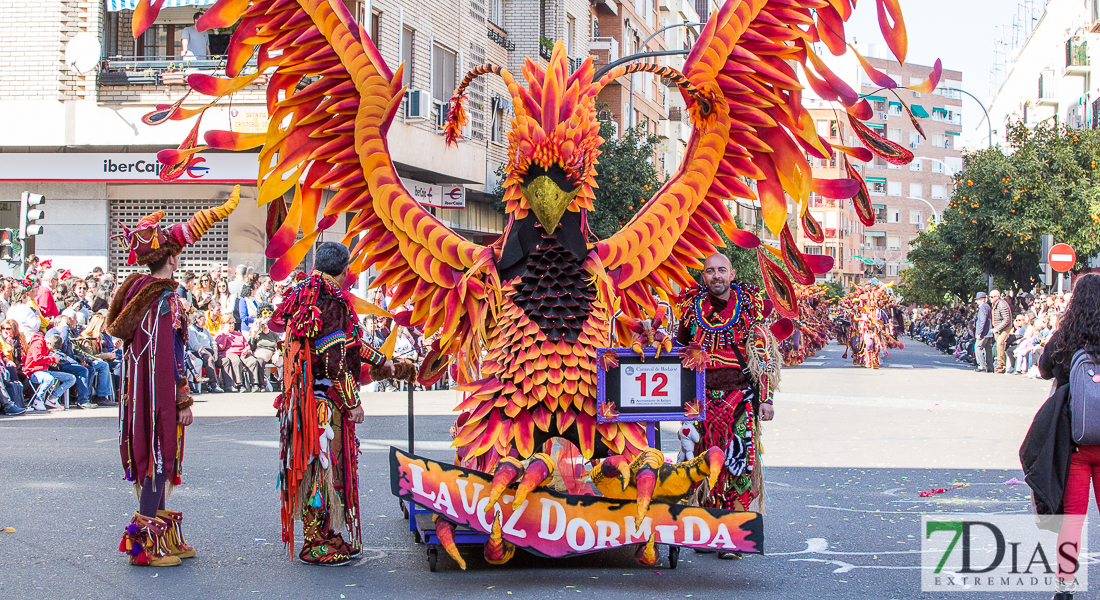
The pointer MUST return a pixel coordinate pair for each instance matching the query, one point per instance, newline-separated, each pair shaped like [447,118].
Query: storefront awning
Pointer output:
[897,104]
[117,5]
[878,206]
[881,126]
[875,179]
[918,111]
[874,233]
[875,99]
[953,132]
[942,111]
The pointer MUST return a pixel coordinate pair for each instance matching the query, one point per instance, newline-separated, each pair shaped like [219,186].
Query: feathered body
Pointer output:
[524,316]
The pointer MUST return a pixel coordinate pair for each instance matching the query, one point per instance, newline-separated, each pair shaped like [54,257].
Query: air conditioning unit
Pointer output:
[884,116]
[418,105]
[913,144]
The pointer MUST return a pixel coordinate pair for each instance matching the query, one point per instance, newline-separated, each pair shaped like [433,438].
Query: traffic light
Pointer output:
[7,250]
[28,215]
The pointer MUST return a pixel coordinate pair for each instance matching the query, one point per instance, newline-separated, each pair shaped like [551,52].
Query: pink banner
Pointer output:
[554,524]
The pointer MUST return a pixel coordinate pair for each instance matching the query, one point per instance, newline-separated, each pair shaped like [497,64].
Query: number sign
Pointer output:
[653,389]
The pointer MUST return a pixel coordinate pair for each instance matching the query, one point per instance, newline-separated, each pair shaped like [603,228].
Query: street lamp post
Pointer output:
[651,36]
[935,215]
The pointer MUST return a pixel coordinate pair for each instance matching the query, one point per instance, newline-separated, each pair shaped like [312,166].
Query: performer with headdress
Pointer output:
[155,401]
[722,323]
[319,409]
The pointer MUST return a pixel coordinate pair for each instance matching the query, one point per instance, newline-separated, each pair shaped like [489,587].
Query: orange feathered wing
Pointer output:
[331,134]
[755,129]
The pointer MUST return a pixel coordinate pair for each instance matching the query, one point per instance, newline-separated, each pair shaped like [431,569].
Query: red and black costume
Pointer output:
[741,370]
[318,473]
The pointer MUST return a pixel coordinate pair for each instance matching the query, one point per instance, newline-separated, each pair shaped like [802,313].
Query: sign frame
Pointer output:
[639,416]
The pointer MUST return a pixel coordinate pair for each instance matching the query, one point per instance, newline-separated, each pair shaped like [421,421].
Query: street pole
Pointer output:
[935,215]
[630,117]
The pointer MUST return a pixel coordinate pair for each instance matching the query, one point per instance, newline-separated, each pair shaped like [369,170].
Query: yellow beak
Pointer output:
[548,201]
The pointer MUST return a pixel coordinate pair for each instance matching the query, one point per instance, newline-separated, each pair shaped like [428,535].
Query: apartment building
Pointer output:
[1050,78]
[906,197]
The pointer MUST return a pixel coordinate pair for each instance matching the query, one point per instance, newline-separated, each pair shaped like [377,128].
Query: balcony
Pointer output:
[675,114]
[499,36]
[604,50]
[1077,59]
[1048,92]
[162,70]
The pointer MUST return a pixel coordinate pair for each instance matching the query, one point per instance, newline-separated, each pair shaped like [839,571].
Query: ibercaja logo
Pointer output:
[1003,552]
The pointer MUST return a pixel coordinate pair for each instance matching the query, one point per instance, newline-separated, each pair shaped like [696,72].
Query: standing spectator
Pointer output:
[44,300]
[1002,327]
[204,352]
[103,294]
[983,334]
[265,347]
[1080,330]
[194,43]
[234,287]
[266,290]
[42,369]
[185,290]
[204,292]
[5,295]
[216,273]
[248,307]
[31,265]
[237,359]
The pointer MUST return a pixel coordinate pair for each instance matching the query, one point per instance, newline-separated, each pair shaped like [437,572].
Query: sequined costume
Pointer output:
[742,372]
[318,470]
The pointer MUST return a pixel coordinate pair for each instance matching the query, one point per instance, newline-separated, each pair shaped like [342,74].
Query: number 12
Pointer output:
[658,378]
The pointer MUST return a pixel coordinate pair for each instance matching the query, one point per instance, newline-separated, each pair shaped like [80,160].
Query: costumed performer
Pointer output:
[319,409]
[155,401]
[725,317]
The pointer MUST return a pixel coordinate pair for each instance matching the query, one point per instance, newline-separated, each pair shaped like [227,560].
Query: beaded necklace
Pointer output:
[701,318]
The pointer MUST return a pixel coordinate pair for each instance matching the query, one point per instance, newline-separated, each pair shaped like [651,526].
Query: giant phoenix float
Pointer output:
[522,318]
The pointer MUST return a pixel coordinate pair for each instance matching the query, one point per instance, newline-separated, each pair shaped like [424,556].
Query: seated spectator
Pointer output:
[91,372]
[204,355]
[11,362]
[100,352]
[265,347]
[60,326]
[237,359]
[41,368]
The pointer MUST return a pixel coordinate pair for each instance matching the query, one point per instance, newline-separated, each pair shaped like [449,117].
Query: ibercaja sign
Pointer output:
[1003,552]
[554,524]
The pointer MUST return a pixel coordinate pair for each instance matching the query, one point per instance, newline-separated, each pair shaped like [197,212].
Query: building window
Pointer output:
[894,135]
[880,212]
[499,116]
[895,216]
[496,13]
[915,165]
[376,28]
[570,29]
[915,217]
[878,187]
[443,80]
[893,242]
[813,249]
[938,192]
[891,269]
[832,158]
[916,190]
[893,188]
[408,52]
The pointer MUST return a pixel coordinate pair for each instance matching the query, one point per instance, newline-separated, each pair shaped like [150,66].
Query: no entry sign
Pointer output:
[1062,257]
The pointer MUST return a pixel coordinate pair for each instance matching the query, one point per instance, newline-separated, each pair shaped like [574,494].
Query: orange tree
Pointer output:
[1045,182]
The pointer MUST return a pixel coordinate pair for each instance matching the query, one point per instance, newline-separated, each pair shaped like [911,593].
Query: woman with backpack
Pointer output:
[1078,331]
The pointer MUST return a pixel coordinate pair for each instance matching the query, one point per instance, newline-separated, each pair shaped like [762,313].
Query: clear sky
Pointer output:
[960,32]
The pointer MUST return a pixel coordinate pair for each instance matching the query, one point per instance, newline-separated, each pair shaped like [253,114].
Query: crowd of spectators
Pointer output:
[1001,333]
[54,344]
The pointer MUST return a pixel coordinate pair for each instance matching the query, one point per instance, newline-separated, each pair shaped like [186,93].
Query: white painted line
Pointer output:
[812,364]
[900,366]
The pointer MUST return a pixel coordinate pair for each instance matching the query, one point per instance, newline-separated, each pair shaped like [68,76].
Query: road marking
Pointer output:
[900,366]
[364,444]
[907,403]
[812,364]
[906,512]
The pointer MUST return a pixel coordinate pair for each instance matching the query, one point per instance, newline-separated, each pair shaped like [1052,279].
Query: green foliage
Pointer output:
[834,289]
[1004,201]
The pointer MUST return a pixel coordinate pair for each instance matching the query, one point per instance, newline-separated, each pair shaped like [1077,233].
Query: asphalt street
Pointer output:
[846,459]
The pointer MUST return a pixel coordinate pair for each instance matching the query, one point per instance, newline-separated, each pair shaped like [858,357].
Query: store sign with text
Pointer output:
[120,167]
[447,195]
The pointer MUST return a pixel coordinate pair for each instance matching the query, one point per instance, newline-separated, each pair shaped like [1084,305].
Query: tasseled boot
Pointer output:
[317,547]
[144,542]
[173,536]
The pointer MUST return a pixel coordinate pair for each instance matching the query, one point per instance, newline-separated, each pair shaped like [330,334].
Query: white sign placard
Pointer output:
[650,386]
[120,167]
[447,195]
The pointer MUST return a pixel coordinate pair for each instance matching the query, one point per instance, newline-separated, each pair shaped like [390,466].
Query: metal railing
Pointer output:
[1077,55]
[159,70]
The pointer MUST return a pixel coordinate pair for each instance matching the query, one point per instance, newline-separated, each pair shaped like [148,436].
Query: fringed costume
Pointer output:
[742,372]
[812,328]
[318,473]
[147,315]
[872,331]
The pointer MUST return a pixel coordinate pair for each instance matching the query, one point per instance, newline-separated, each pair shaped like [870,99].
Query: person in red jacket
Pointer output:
[44,300]
[50,385]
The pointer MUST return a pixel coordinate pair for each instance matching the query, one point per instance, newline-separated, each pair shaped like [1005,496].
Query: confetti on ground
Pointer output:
[935,491]
[1014,481]
[7,530]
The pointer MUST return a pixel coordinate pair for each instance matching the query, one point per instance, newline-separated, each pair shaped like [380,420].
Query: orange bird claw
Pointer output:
[539,471]
[509,470]
[646,554]
[445,531]
[497,550]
